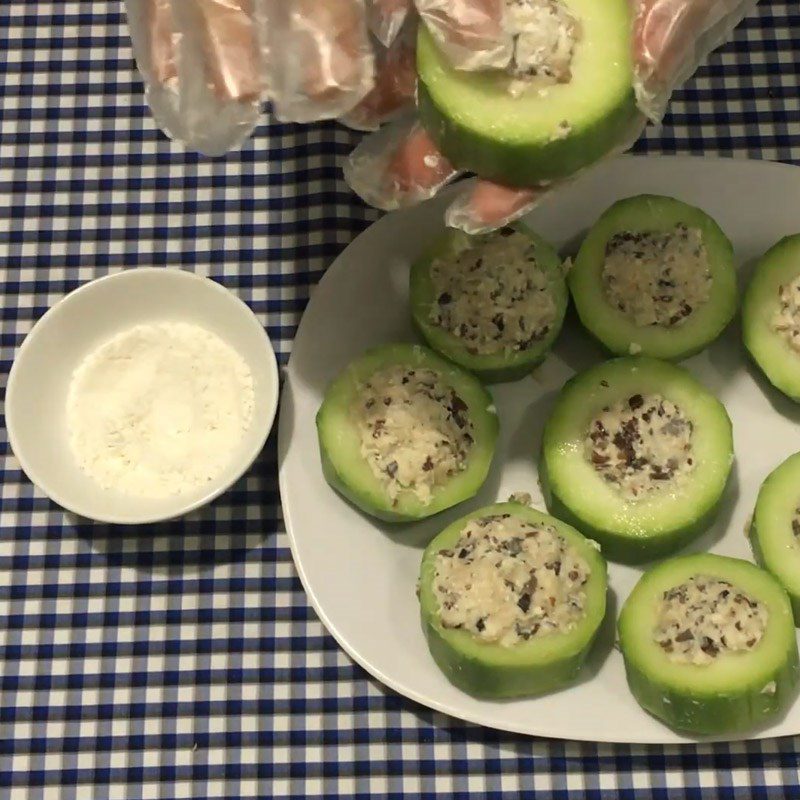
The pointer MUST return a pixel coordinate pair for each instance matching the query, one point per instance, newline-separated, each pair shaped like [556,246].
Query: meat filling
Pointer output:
[706,618]
[507,581]
[493,295]
[786,319]
[544,34]
[657,278]
[641,445]
[415,430]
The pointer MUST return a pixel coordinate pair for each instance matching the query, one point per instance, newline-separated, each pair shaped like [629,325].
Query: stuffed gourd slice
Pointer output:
[636,454]
[775,529]
[709,644]
[493,304]
[655,276]
[404,434]
[771,316]
[511,601]
[564,99]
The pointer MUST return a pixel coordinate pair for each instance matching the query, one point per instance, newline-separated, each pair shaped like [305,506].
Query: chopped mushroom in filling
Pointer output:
[705,618]
[415,430]
[641,444]
[544,34]
[493,295]
[657,278]
[786,319]
[507,580]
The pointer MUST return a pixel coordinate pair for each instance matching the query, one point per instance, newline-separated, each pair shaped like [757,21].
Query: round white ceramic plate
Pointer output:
[360,574]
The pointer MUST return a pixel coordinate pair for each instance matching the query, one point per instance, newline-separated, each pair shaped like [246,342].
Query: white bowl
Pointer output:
[70,330]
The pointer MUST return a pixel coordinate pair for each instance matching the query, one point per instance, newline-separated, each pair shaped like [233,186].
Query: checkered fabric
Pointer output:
[182,660]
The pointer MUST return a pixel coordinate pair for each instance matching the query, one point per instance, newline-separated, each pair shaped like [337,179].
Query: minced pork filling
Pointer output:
[493,295]
[704,618]
[657,278]
[415,430]
[544,34]
[641,444]
[507,580]
[786,319]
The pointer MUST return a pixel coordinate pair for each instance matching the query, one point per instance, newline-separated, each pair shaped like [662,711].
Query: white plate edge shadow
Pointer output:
[287,424]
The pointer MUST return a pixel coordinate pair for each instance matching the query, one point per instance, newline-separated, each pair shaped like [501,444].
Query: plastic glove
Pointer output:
[670,39]
[208,65]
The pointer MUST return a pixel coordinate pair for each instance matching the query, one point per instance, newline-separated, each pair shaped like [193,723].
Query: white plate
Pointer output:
[360,575]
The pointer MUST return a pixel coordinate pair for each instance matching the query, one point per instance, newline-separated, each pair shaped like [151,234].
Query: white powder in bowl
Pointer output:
[159,409]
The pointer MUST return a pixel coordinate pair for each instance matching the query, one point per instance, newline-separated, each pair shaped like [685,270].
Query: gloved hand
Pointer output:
[401,166]
[209,65]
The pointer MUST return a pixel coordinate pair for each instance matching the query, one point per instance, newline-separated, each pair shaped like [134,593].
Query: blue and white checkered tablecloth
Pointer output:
[182,660]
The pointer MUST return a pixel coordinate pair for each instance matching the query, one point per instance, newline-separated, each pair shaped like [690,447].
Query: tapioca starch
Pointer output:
[159,409]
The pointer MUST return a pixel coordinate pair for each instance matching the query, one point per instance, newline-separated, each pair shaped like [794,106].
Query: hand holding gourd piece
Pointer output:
[210,64]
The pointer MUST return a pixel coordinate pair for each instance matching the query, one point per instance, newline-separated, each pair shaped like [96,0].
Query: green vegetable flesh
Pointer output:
[520,141]
[737,691]
[770,349]
[774,542]
[348,472]
[540,665]
[494,367]
[655,525]
[612,327]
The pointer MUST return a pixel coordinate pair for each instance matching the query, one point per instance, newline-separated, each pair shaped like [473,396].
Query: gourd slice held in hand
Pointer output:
[771,316]
[404,434]
[564,100]
[636,454]
[493,304]
[654,276]
[775,527]
[511,601]
[709,644]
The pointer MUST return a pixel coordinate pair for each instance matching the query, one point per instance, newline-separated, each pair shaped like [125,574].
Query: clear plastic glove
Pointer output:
[209,65]
[670,39]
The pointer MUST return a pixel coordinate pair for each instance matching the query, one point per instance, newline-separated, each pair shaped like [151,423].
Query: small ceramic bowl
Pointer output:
[40,377]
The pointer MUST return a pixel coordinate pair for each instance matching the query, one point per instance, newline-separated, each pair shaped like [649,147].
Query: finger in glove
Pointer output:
[671,38]
[163,42]
[321,58]
[386,18]
[397,166]
[395,83]
[231,51]
[469,32]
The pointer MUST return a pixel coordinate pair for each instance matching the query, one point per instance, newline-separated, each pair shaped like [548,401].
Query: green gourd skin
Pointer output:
[614,329]
[542,664]
[541,135]
[771,533]
[490,368]
[350,475]
[642,530]
[738,692]
[769,349]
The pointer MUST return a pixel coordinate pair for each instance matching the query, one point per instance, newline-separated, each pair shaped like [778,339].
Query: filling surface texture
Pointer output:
[493,295]
[786,319]
[705,618]
[657,278]
[507,580]
[415,430]
[544,34]
[640,445]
